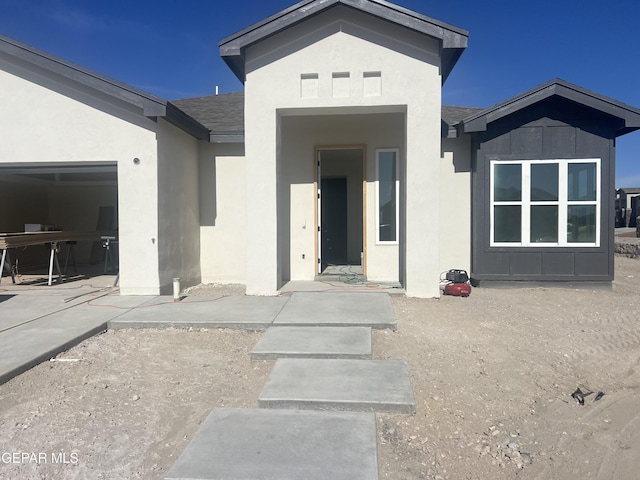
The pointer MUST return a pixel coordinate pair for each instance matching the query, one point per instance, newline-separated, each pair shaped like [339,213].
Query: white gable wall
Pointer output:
[47,122]
[341,41]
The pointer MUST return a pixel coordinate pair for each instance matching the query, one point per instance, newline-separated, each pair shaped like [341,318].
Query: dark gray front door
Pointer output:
[334,221]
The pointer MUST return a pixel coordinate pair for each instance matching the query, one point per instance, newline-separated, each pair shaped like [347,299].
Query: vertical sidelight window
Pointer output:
[387,195]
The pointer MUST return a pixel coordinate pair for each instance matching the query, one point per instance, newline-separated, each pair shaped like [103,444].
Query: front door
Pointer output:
[333,226]
[340,206]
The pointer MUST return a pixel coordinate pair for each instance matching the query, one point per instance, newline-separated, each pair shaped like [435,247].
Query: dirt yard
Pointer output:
[492,374]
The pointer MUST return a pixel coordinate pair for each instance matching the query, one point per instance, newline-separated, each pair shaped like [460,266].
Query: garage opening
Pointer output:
[80,201]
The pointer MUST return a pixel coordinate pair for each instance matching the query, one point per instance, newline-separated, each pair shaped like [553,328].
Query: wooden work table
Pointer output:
[26,239]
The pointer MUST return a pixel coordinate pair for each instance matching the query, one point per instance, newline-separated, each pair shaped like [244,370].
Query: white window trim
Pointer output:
[563,203]
[378,152]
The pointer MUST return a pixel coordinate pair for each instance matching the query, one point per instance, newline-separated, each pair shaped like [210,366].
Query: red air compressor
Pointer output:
[457,283]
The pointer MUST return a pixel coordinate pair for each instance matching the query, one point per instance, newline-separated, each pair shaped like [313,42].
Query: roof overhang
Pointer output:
[629,116]
[148,105]
[453,40]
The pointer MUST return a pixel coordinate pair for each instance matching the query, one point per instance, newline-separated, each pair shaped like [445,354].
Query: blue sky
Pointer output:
[169,48]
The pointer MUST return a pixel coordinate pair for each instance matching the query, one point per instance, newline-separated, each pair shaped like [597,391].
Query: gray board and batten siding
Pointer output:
[549,127]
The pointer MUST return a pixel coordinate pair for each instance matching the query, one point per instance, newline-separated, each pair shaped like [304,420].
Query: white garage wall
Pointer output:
[47,122]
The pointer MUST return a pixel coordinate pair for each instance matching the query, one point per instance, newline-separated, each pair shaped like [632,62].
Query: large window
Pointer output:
[545,203]
[387,193]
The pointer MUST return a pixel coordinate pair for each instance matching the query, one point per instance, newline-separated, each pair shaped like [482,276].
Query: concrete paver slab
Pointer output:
[243,444]
[314,342]
[255,313]
[365,309]
[355,385]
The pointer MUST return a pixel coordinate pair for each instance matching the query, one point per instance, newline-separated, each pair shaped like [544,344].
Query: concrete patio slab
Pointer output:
[314,342]
[353,385]
[365,309]
[243,444]
[254,313]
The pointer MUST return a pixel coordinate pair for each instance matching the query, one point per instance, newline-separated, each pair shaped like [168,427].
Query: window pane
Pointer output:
[507,182]
[387,196]
[544,182]
[581,224]
[544,223]
[582,181]
[507,223]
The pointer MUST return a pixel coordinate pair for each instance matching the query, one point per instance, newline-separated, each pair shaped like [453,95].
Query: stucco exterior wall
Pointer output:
[455,206]
[70,126]
[347,63]
[223,213]
[178,207]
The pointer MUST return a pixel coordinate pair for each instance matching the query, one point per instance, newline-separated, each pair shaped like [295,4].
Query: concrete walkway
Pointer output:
[327,334]
[346,385]
[39,322]
[289,438]
[242,444]
[314,342]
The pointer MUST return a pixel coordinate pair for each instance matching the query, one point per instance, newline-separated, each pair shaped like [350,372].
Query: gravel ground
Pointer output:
[492,374]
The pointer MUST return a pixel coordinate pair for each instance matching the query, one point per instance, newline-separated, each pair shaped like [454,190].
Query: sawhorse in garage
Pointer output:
[3,264]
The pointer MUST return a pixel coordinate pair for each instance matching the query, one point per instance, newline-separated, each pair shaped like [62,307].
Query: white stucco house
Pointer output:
[338,151]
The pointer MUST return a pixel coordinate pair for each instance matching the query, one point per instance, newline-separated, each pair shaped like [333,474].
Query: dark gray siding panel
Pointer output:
[591,264]
[526,141]
[591,145]
[526,264]
[559,140]
[495,264]
[552,129]
[555,264]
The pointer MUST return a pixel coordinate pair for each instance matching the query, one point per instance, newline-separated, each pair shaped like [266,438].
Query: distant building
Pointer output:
[627,206]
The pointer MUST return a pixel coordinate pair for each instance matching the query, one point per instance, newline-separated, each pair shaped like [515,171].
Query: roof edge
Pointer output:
[556,87]
[453,39]
[150,105]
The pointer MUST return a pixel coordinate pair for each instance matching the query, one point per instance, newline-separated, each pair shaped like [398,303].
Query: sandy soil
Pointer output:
[492,374]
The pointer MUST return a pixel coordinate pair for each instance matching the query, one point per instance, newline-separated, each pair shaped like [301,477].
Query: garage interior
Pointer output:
[69,198]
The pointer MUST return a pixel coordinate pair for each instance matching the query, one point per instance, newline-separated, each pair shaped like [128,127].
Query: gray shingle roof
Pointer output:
[452,115]
[224,114]
[219,113]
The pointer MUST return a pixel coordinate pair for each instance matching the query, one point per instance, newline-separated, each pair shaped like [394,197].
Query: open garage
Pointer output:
[70,198]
